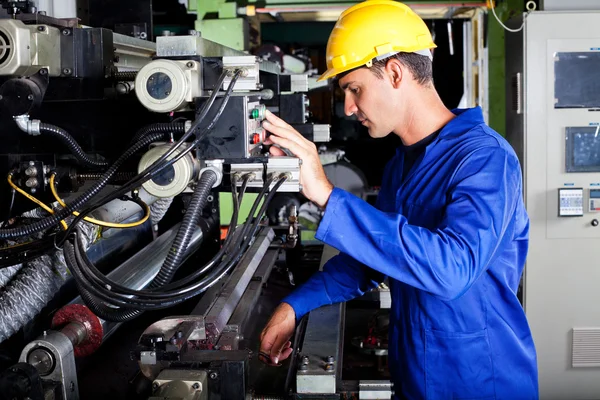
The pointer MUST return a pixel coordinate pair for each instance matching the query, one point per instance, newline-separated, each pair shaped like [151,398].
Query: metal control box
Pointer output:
[553,99]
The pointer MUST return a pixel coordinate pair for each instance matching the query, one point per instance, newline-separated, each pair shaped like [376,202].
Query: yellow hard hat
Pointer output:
[375,29]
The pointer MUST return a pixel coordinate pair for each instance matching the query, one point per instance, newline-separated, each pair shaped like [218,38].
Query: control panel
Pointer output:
[570,202]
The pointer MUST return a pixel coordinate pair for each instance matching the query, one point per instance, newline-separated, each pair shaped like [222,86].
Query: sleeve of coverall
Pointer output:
[444,261]
[342,279]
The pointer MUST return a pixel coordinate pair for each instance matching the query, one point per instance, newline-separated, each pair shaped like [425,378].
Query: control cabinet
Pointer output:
[553,122]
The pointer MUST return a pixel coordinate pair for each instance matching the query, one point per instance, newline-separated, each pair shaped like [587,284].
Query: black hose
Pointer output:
[103,311]
[186,230]
[83,198]
[73,146]
[167,127]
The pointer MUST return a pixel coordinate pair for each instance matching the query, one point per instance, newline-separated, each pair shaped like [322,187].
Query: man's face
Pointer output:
[371,100]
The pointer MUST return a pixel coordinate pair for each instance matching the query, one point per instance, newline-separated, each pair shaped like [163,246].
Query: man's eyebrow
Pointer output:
[345,85]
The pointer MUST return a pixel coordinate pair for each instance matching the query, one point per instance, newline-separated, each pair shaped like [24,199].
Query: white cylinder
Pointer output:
[58,8]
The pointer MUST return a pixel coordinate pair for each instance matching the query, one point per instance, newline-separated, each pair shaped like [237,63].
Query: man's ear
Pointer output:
[394,71]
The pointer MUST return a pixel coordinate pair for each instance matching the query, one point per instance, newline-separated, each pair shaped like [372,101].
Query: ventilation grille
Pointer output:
[516,92]
[6,48]
[586,347]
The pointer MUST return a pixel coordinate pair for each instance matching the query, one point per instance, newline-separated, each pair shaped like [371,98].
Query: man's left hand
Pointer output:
[315,185]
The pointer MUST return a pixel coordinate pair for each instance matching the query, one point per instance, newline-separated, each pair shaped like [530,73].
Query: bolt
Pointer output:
[31,162]
[31,171]
[190,64]
[33,190]
[67,71]
[196,386]
[329,367]
[66,32]
[155,386]
[213,375]
[210,198]
[214,210]
[30,97]
[305,360]
[41,28]
[31,182]
[45,333]
[43,71]
[330,360]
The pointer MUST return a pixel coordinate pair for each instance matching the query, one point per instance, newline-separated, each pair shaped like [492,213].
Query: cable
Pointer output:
[98,222]
[83,198]
[152,302]
[72,144]
[155,168]
[35,200]
[493,8]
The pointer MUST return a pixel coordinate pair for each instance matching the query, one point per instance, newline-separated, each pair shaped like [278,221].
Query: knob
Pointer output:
[594,222]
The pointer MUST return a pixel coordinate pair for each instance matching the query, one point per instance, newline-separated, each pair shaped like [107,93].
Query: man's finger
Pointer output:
[292,146]
[277,348]
[275,120]
[286,353]
[276,151]
[285,133]
[266,343]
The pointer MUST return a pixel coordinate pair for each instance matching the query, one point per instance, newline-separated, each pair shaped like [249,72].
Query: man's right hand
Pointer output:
[274,339]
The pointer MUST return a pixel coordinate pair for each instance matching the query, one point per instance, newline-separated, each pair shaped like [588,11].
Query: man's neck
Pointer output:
[426,116]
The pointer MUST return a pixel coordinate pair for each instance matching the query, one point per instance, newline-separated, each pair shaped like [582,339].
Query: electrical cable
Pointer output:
[493,8]
[34,199]
[72,144]
[111,297]
[155,168]
[94,221]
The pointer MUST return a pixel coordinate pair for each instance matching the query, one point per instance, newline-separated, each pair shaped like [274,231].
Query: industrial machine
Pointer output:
[119,155]
[553,77]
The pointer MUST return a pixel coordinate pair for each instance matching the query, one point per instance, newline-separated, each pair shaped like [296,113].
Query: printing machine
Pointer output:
[118,156]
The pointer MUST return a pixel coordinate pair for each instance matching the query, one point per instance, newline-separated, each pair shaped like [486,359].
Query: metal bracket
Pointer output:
[52,355]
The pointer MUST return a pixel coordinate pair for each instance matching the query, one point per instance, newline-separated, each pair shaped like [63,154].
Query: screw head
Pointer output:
[67,71]
[66,32]
[213,375]
[30,97]
[41,28]
[196,386]
[190,64]
[43,71]
[155,386]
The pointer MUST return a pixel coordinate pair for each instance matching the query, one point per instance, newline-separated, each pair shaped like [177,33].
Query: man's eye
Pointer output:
[355,91]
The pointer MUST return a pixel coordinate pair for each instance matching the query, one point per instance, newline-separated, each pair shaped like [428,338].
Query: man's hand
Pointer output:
[274,339]
[315,185]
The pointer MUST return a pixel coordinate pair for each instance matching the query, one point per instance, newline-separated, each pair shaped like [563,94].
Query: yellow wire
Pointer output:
[98,222]
[36,201]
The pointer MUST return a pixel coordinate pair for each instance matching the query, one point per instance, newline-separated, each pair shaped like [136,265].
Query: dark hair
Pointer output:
[419,66]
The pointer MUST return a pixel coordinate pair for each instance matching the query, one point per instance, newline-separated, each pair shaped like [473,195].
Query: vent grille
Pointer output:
[517,91]
[6,48]
[586,347]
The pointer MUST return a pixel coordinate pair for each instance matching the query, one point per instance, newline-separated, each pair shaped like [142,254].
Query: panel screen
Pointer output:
[577,80]
[583,149]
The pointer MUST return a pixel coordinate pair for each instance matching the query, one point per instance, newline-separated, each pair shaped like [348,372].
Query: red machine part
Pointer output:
[84,316]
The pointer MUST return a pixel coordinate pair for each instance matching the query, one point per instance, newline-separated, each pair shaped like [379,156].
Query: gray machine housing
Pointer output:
[553,99]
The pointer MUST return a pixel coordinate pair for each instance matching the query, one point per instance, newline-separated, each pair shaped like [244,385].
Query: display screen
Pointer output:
[577,80]
[583,149]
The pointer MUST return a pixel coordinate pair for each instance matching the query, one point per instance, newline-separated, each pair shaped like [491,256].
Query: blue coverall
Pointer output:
[452,238]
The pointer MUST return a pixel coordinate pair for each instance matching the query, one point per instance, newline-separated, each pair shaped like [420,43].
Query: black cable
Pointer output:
[83,198]
[86,197]
[72,144]
[154,170]
[174,127]
[186,229]
[113,298]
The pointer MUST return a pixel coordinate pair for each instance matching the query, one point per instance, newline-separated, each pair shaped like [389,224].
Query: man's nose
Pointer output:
[350,106]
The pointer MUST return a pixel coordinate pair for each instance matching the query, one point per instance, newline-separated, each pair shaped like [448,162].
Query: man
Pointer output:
[449,230]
